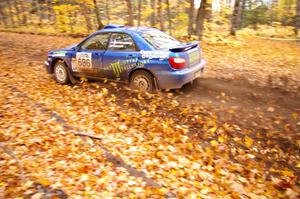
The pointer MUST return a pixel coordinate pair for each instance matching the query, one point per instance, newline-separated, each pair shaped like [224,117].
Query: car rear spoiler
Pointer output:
[185,47]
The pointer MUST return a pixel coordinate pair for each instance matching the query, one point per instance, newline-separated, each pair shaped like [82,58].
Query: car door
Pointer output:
[121,56]
[89,55]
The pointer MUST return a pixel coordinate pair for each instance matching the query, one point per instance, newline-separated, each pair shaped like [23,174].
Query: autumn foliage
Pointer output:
[233,133]
[102,139]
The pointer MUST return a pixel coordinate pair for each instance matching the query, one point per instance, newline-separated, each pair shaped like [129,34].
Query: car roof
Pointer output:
[125,29]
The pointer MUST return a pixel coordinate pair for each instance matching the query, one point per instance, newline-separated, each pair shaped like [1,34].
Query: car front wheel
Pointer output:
[142,80]
[61,73]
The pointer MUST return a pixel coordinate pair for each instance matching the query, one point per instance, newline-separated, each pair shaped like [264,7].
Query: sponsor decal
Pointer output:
[84,60]
[117,44]
[116,67]
[74,65]
[119,66]
[194,56]
[154,54]
[59,53]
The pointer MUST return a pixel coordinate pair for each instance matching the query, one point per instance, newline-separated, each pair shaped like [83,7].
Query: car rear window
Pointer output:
[159,39]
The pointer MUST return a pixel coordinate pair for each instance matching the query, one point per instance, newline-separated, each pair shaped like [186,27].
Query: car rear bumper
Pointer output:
[176,79]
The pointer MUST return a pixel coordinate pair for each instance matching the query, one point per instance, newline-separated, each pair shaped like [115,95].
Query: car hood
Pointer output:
[70,47]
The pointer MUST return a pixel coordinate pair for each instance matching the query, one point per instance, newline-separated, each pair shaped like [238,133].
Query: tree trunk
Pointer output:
[71,22]
[30,17]
[139,12]
[50,16]
[11,14]
[201,15]
[86,15]
[24,13]
[169,17]
[98,17]
[297,27]
[130,15]
[39,13]
[191,17]
[242,12]
[17,12]
[107,11]
[235,20]
[3,16]
[153,15]
[160,15]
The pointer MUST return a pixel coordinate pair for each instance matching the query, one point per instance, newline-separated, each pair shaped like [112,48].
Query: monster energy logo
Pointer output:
[116,68]
[120,66]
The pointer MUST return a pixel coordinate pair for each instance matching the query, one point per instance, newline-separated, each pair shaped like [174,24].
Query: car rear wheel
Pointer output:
[61,73]
[142,80]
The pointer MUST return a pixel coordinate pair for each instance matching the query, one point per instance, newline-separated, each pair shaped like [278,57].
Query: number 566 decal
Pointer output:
[84,60]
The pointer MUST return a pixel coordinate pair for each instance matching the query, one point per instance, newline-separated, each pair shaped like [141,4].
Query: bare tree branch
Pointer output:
[19,163]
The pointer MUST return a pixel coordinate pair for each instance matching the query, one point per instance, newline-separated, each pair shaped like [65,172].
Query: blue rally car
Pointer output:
[145,57]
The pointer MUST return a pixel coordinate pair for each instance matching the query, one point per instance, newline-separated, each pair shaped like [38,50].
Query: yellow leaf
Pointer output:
[298,143]
[248,141]
[221,138]
[287,173]
[104,91]
[33,164]
[190,146]
[295,116]
[213,129]
[159,154]
[44,181]
[84,177]
[83,79]
[298,165]
[143,112]
[214,143]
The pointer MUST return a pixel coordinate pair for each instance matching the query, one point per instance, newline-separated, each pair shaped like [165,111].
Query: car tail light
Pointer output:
[177,62]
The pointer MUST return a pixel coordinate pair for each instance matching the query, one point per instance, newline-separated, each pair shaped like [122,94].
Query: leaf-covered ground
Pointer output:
[222,137]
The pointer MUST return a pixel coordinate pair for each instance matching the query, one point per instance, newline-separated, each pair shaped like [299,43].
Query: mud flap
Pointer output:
[71,77]
[156,84]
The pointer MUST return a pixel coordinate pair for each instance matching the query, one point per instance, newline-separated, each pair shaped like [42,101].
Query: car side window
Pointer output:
[97,42]
[121,42]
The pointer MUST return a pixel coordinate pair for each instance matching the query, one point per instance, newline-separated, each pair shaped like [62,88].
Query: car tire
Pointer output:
[61,73]
[142,80]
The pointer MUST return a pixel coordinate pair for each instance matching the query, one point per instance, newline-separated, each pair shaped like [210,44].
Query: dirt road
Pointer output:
[261,114]
[236,91]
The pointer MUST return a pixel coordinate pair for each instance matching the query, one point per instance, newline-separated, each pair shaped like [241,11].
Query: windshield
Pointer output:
[159,39]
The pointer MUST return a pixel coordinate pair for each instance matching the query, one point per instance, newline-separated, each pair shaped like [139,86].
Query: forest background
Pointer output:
[212,19]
